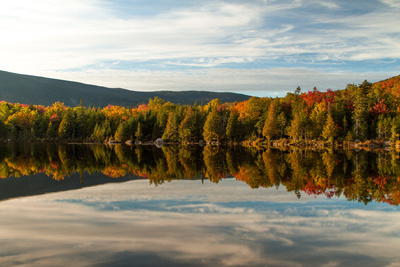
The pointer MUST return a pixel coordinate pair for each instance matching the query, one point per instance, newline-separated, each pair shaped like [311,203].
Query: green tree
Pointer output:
[66,128]
[361,110]
[51,131]
[120,133]
[232,126]
[282,121]
[212,127]
[172,129]
[190,128]
[330,130]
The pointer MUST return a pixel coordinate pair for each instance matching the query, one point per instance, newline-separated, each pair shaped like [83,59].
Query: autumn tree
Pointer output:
[330,130]
[172,129]
[190,129]
[318,118]
[66,129]
[212,127]
[282,122]
[271,126]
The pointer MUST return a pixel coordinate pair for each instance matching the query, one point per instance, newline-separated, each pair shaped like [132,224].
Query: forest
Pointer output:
[359,112]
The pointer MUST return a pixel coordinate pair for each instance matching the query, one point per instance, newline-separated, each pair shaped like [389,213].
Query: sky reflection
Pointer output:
[186,223]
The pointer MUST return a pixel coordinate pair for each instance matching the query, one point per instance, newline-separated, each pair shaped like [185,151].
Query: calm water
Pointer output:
[82,205]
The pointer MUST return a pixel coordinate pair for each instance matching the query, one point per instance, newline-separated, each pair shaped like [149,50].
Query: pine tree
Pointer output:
[190,128]
[232,126]
[318,119]
[66,129]
[282,123]
[51,131]
[296,126]
[330,130]
[211,130]
[120,133]
[171,132]
[360,114]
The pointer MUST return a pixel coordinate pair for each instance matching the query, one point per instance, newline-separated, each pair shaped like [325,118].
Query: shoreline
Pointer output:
[285,144]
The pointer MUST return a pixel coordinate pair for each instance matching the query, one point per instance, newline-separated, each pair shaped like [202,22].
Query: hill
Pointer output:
[27,89]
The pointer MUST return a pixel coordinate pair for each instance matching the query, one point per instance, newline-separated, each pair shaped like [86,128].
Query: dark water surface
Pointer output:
[81,205]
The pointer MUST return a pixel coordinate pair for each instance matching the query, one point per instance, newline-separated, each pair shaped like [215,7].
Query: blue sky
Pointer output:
[260,47]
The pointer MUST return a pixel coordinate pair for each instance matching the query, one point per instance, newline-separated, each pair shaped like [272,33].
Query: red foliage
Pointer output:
[142,108]
[348,100]
[315,96]
[54,118]
[380,181]
[41,109]
[379,108]
[311,189]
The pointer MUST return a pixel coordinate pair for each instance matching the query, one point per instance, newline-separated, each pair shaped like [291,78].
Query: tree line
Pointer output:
[367,111]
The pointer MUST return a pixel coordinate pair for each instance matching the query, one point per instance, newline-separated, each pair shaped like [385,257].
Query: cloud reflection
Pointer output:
[189,224]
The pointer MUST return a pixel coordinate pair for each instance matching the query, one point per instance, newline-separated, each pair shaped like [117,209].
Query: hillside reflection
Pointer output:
[359,176]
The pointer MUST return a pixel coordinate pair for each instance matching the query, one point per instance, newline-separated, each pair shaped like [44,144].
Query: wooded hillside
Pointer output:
[18,88]
[364,112]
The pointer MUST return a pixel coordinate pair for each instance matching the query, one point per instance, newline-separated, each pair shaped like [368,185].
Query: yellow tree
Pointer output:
[271,128]
[330,130]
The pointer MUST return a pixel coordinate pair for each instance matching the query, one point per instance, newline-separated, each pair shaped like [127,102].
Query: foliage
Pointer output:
[367,111]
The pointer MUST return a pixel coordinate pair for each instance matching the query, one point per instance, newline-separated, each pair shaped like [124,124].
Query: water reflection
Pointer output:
[187,223]
[359,176]
[283,208]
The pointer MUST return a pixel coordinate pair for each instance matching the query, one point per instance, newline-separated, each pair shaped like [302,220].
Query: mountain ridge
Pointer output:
[29,89]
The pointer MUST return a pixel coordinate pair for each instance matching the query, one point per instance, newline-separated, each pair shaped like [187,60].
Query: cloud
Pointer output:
[391,3]
[90,36]
[261,82]
[56,228]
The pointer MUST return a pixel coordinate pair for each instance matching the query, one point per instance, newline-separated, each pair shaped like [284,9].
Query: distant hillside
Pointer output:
[26,89]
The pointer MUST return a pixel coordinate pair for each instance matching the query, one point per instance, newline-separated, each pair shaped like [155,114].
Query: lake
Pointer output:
[97,205]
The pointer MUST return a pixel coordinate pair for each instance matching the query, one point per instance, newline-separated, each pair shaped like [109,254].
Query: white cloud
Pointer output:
[56,228]
[391,3]
[260,82]
[50,39]
[330,5]
[60,39]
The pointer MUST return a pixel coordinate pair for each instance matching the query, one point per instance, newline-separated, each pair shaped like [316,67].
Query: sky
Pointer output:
[255,47]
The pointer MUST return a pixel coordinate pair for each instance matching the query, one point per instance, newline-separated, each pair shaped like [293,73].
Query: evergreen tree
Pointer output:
[330,130]
[282,121]
[120,133]
[66,128]
[232,126]
[360,114]
[296,128]
[190,128]
[51,131]
[318,119]
[172,129]
[212,127]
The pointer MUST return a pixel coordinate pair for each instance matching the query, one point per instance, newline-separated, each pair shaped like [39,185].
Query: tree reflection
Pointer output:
[358,175]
